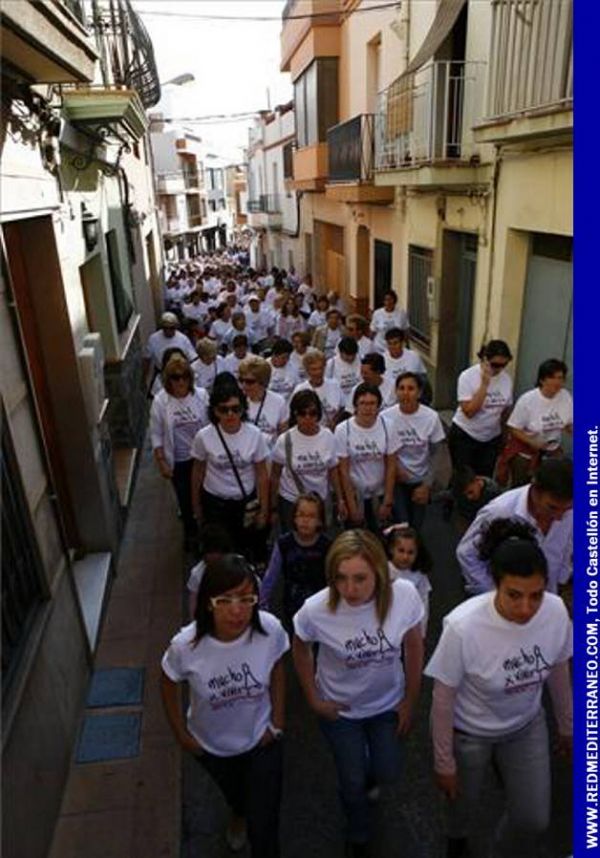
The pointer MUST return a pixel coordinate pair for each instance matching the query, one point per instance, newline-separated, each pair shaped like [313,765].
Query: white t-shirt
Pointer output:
[198,311]
[486,424]
[409,361]
[332,338]
[205,373]
[219,330]
[158,344]
[283,380]
[298,366]
[499,667]
[230,702]
[312,457]
[411,436]
[195,577]
[330,395]
[231,363]
[366,450]
[247,447]
[189,416]
[420,582]
[365,346]
[317,318]
[259,323]
[538,415]
[346,374]
[271,415]
[382,321]
[359,662]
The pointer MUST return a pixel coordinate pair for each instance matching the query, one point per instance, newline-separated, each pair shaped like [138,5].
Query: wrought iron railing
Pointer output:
[265,204]
[126,50]
[532,56]
[288,160]
[429,115]
[76,8]
[350,147]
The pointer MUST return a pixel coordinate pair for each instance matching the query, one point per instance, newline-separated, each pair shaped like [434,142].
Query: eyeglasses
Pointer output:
[307,412]
[495,365]
[177,376]
[223,410]
[229,601]
[248,381]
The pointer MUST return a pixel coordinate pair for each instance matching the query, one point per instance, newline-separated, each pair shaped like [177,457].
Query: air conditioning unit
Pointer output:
[91,364]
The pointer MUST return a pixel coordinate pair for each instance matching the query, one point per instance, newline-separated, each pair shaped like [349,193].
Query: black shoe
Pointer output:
[457,847]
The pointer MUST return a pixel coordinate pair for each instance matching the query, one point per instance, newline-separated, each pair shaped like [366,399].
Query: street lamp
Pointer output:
[179,80]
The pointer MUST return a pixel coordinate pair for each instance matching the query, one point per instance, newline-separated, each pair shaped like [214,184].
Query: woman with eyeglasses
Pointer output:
[178,412]
[485,395]
[231,658]
[266,409]
[230,481]
[304,460]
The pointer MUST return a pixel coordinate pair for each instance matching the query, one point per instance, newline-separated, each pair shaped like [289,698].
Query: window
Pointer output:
[316,99]
[420,264]
[22,591]
[122,301]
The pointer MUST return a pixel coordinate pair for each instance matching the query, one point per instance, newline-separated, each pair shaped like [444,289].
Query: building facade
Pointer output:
[425,138]
[80,290]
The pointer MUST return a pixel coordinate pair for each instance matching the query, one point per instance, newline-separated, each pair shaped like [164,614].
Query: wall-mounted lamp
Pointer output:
[89,224]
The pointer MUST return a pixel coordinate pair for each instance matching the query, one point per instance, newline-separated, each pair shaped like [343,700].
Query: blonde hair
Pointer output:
[256,366]
[206,348]
[177,364]
[311,356]
[360,543]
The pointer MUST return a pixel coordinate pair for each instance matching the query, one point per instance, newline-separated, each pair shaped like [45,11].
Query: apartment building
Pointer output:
[273,204]
[434,154]
[80,289]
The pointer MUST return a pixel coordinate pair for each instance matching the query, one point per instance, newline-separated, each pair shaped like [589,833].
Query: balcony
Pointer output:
[351,153]
[47,41]
[110,114]
[530,87]
[309,167]
[304,38]
[423,134]
[265,211]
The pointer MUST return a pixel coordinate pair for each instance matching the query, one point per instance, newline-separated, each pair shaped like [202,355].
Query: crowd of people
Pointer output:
[304,453]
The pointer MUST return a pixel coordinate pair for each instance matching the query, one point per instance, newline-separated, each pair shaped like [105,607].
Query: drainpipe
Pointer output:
[405,22]
[492,240]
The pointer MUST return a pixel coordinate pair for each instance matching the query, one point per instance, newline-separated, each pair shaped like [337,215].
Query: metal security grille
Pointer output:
[22,592]
[420,262]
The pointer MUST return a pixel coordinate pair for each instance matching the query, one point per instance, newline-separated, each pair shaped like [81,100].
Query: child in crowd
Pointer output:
[283,375]
[215,543]
[300,342]
[409,559]
[299,558]
[472,492]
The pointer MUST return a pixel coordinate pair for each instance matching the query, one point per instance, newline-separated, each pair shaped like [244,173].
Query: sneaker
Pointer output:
[236,840]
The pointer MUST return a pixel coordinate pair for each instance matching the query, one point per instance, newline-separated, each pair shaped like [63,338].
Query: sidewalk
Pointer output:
[131,808]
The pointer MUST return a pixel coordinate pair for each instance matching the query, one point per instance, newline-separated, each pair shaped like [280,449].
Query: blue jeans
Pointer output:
[366,751]
[405,509]
[523,761]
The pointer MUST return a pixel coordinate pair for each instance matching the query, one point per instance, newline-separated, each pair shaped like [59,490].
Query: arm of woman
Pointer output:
[170,697]
[277,689]
[304,663]
[274,486]
[413,669]
[385,509]
[559,685]
[262,490]
[536,442]
[442,726]
[269,582]
[354,514]
[334,476]
[159,458]
[471,406]
[198,472]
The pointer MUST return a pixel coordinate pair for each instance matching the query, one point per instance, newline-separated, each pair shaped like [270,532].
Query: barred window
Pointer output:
[420,265]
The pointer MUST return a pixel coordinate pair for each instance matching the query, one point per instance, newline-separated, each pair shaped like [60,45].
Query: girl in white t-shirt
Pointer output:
[231,658]
[363,693]
[410,560]
[495,654]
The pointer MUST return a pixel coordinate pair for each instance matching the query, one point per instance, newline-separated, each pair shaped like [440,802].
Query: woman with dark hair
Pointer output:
[303,460]
[230,656]
[485,393]
[367,471]
[489,668]
[368,671]
[178,412]
[538,420]
[386,317]
[230,481]
[418,443]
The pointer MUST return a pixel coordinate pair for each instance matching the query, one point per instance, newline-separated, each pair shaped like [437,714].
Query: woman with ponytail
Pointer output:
[489,668]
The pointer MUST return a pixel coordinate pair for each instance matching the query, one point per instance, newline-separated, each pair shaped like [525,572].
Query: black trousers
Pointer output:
[229,514]
[251,784]
[182,483]
[480,455]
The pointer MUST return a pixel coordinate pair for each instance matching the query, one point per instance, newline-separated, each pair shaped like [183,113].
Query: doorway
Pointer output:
[382,272]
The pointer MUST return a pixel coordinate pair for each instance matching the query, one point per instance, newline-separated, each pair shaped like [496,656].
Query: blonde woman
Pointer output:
[208,365]
[266,409]
[362,692]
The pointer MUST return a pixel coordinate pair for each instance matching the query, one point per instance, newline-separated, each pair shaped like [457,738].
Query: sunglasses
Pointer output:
[495,365]
[307,412]
[248,381]
[229,601]
[177,376]
[228,409]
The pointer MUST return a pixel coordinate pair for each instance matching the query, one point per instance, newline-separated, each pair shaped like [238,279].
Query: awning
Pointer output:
[445,18]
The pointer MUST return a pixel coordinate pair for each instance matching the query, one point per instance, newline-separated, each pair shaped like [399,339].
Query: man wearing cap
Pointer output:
[167,337]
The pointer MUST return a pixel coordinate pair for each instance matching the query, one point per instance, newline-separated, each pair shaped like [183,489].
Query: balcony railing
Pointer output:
[76,9]
[266,204]
[532,51]
[350,148]
[190,180]
[429,116]
[288,160]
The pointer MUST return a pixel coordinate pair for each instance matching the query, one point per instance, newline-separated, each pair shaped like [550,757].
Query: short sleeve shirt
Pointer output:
[411,437]
[486,423]
[247,446]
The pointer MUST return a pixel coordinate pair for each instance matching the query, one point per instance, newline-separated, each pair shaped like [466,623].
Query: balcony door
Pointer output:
[382,271]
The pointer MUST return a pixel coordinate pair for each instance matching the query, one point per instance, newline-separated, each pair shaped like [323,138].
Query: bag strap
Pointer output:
[230,457]
[288,462]
[259,412]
